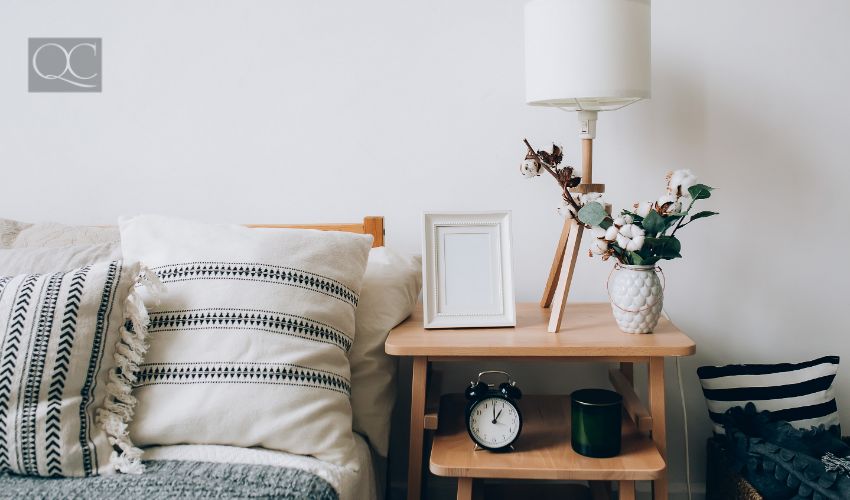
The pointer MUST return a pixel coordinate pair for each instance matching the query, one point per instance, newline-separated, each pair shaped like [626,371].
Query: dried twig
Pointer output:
[564,176]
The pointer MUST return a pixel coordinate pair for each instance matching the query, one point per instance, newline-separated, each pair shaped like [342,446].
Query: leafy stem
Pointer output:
[682,218]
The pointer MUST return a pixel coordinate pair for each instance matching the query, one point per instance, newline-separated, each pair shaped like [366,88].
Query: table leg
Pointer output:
[627,490]
[659,422]
[418,390]
[464,488]
[628,370]
[600,490]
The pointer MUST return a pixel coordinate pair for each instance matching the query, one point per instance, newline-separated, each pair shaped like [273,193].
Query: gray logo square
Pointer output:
[65,65]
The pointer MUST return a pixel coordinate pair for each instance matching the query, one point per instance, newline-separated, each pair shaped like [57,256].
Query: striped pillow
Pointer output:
[800,393]
[65,361]
[249,345]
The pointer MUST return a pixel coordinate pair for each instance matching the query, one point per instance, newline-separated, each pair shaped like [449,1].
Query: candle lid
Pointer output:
[596,397]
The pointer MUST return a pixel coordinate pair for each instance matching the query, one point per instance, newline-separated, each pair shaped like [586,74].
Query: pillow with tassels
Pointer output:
[70,343]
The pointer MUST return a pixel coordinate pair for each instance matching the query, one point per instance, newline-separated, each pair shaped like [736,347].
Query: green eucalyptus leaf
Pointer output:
[654,223]
[674,246]
[636,259]
[670,220]
[664,247]
[701,215]
[700,191]
[606,223]
[592,214]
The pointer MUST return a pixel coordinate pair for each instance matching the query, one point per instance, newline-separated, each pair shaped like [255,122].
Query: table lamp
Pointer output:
[585,56]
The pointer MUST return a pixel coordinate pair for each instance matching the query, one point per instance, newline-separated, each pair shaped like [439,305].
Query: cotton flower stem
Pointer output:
[682,218]
[540,160]
[567,196]
[621,254]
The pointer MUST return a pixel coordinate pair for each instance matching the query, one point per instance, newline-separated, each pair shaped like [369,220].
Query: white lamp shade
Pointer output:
[587,54]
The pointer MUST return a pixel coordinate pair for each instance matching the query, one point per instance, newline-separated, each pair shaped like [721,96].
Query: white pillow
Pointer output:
[41,260]
[15,234]
[390,291]
[249,345]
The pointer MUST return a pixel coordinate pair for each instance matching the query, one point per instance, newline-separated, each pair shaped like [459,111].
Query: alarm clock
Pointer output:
[493,418]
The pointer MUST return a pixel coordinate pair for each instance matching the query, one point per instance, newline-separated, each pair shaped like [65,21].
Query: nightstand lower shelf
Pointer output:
[543,450]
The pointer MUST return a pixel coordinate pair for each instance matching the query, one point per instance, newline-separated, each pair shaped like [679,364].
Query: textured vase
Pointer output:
[636,298]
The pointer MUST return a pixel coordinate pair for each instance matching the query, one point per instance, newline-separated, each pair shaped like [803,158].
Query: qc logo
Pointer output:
[65,65]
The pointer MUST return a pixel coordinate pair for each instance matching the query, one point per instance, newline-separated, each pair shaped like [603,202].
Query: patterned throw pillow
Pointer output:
[65,359]
[249,344]
[798,393]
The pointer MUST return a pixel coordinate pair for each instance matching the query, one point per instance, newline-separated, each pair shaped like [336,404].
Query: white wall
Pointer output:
[267,111]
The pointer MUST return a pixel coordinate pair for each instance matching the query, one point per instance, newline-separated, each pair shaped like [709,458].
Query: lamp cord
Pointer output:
[684,418]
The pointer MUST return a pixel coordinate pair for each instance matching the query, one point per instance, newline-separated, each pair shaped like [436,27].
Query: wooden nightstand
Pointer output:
[543,452]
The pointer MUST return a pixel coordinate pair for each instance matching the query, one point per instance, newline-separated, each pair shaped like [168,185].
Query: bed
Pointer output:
[200,470]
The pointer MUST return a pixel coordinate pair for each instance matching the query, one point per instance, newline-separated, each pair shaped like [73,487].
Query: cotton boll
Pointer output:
[680,181]
[628,219]
[630,237]
[566,211]
[611,233]
[643,209]
[619,222]
[529,168]
[667,198]
[598,233]
[598,247]
[585,198]
[635,244]
[669,203]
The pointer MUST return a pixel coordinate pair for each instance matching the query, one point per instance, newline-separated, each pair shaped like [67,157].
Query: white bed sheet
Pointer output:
[350,484]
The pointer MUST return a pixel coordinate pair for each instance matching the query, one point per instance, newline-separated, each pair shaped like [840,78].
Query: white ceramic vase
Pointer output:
[637,297]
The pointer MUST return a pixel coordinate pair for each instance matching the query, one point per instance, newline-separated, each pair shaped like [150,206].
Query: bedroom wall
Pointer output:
[269,111]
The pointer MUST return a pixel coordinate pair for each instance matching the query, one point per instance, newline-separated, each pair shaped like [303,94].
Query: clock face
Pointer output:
[494,423]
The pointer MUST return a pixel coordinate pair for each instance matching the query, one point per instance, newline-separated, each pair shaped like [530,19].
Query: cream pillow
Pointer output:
[249,344]
[15,234]
[43,260]
[390,291]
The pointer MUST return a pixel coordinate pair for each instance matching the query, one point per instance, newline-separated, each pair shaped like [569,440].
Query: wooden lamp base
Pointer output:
[561,273]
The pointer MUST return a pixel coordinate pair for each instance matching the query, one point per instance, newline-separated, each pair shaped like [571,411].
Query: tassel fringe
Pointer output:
[117,411]
[834,464]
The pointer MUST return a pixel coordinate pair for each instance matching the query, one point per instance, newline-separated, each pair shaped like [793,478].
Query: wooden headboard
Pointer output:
[372,224]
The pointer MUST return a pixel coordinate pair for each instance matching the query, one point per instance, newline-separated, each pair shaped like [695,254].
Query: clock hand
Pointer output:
[497,416]
[494,413]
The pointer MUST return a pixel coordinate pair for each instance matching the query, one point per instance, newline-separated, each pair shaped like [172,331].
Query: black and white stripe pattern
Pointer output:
[32,389]
[58,336]
[799,393]
[236,319]
[258,272]
[229,372]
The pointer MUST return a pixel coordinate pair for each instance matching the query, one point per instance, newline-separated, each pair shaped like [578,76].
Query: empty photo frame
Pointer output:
[467,270]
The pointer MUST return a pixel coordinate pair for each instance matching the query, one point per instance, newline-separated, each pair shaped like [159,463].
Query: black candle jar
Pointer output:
[596,422]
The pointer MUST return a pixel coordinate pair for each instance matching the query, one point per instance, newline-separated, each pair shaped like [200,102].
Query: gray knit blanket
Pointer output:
[165,479]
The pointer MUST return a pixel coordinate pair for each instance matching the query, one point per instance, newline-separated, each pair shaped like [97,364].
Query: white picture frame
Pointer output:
[467,270]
